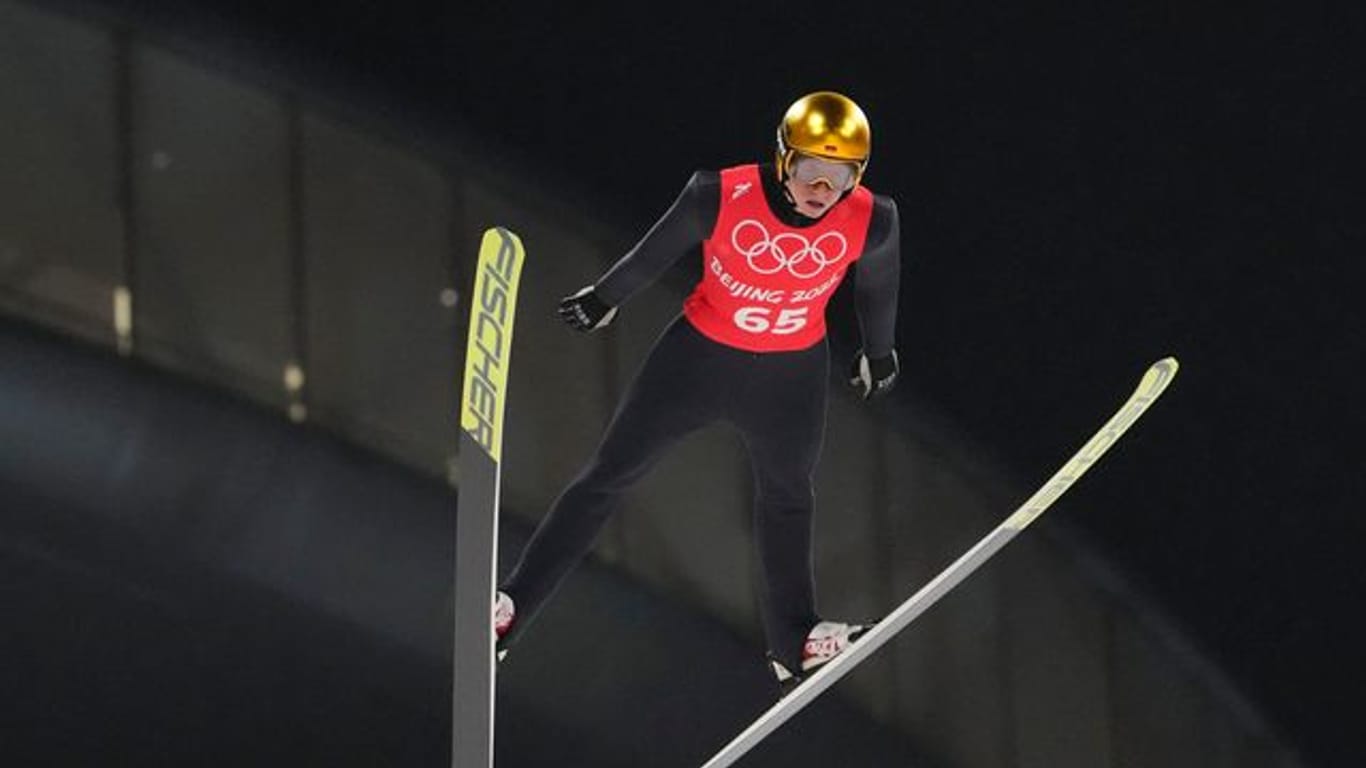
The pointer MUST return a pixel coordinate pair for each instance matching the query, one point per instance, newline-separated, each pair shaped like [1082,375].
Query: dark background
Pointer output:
[1084,188]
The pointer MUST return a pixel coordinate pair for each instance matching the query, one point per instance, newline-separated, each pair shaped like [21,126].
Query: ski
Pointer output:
[484,395]
[1153,383]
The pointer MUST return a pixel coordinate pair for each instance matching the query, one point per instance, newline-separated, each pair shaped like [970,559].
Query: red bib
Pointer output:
[764,284]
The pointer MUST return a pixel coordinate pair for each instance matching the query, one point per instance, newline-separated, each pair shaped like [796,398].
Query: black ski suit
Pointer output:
[776,400]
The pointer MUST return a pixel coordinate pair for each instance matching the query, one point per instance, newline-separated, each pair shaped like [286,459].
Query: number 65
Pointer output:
[757,320]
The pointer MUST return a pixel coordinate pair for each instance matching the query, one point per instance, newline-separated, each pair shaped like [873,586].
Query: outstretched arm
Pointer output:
[688,222]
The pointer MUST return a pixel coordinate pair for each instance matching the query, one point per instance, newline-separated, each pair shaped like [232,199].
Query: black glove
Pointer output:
[584,311]
[873,377]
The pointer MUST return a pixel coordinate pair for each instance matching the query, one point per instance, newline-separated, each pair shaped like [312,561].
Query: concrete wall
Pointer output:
[255,231]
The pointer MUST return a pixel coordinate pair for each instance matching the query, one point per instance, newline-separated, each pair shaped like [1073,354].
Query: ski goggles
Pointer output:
[810,170]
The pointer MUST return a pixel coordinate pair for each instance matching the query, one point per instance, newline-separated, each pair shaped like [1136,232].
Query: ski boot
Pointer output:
[504,613]
[824,642]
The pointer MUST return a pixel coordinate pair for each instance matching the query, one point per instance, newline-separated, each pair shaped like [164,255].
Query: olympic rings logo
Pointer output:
[802,258]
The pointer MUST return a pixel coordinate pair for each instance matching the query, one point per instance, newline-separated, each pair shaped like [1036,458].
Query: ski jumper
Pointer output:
[749,349]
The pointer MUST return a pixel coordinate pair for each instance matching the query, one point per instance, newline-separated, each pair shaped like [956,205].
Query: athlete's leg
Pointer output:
[676,392]
[781,414]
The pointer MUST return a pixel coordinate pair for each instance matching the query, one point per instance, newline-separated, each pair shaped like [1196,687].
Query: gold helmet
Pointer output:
[827,125]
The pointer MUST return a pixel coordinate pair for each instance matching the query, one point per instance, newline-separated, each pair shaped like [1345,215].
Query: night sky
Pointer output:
[1084,188]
